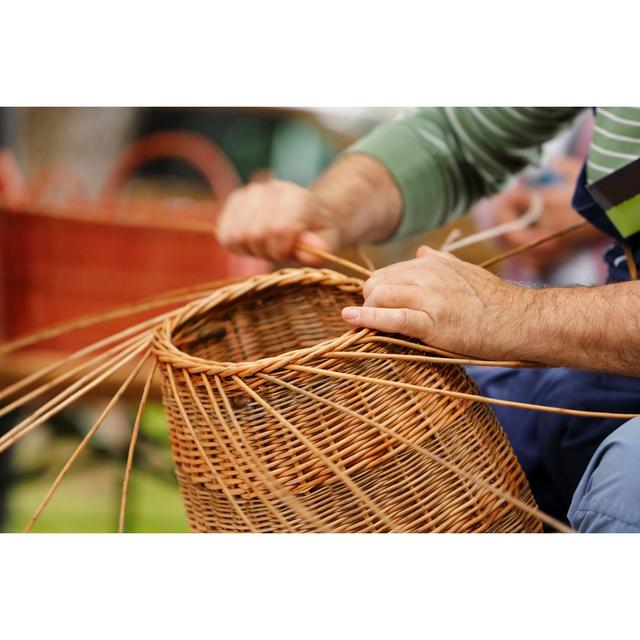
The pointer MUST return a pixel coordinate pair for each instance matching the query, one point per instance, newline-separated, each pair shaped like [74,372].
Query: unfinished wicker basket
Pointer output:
[283,419]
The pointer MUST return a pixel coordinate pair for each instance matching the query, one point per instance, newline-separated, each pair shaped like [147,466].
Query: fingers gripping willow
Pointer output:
[284,419]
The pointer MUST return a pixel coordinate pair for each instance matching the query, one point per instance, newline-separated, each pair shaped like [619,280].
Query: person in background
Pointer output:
[575,258]
[423,169]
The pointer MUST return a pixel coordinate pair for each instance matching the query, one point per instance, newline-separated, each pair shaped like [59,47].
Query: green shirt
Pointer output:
[445,158]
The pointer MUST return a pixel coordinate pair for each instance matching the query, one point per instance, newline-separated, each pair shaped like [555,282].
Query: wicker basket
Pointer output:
[282,419]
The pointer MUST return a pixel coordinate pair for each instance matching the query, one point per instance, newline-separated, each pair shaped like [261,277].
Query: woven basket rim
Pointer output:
[166,351]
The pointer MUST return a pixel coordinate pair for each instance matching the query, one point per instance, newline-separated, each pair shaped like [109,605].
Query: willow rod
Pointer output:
[80,448]
[631,262]
[431,359]
[335,259]
[464,396]
[132,447]
[40,373]
[486,263]
[88,364]
[66,398]
[534,243]
[421,346]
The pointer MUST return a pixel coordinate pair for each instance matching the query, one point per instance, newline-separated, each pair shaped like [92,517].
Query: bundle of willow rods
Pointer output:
[284,419]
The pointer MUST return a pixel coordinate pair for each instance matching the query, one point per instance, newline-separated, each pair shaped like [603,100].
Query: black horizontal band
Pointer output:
[617,187]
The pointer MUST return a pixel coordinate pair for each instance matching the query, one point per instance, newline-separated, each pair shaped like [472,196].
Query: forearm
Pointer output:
[407,176]
[591,328]
[356,200]
[444,159]
[460,307]
[363,197]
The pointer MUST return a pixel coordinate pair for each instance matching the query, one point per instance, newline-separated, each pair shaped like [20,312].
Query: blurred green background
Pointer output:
[88,499]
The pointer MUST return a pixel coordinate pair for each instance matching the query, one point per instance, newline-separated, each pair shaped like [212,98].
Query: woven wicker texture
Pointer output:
[284,419]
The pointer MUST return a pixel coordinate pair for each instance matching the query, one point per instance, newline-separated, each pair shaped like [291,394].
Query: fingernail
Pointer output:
[350,313]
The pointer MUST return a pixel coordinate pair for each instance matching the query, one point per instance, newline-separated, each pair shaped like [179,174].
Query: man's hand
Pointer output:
[460,307]
[268,220]
[444,302]
[355,201]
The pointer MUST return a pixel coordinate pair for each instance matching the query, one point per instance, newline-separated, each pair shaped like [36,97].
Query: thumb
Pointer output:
[325,240]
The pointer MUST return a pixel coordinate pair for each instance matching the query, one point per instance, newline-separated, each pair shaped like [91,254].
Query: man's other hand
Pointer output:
[444,302]
[270,219]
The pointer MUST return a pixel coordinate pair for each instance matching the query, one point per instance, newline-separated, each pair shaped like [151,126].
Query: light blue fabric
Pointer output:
[607,499]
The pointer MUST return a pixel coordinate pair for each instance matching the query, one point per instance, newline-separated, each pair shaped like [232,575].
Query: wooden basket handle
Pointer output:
[195,149]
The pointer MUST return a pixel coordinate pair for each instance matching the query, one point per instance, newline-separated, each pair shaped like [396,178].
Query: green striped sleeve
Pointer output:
[444,159]
[616,141]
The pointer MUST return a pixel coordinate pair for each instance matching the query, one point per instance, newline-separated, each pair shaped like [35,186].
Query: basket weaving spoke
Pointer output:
[148,326]
[72,393]
[99,318]
[432,359]
[74,456]
[167,298]
[71,373]
[414,345]
[230,498]
[451,357]
[470,396]
[132,447]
